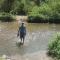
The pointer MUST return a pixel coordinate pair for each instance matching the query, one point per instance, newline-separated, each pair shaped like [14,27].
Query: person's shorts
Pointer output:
[22,35]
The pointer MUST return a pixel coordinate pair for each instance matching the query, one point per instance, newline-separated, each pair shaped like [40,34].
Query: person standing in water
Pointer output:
[22,32]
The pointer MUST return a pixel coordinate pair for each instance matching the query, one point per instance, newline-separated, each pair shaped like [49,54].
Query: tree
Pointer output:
[7,5]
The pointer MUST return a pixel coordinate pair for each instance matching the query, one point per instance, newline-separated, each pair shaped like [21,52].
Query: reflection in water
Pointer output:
[37,37]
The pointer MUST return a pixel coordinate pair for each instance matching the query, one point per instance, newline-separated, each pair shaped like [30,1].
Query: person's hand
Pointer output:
[17,35]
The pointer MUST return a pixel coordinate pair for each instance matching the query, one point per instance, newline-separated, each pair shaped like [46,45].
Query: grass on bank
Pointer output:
[54,46]
[6,17]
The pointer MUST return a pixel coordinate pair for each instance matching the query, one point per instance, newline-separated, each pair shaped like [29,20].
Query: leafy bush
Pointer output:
[48,11]
[6,17]
[54,46]
[37,19]
[40,14]
[19,10]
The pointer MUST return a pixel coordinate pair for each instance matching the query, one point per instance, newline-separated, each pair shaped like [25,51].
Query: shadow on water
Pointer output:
[37,38]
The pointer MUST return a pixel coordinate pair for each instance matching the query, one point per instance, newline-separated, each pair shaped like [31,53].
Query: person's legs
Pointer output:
[21,39]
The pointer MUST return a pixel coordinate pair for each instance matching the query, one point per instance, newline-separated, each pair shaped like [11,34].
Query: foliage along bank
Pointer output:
[42,11]
[54,46]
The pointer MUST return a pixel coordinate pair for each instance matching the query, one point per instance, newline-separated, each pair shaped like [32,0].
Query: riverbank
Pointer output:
[36,20]
[7,18]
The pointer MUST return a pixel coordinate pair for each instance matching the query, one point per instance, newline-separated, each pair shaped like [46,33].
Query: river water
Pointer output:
[36,40]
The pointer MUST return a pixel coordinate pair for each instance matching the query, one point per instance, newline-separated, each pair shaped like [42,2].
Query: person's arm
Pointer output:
[25,30]
[18,32]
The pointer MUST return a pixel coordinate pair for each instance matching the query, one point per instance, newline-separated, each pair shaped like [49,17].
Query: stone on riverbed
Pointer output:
[18,43]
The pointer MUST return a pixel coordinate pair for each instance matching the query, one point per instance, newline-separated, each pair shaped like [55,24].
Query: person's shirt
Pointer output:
[22,29]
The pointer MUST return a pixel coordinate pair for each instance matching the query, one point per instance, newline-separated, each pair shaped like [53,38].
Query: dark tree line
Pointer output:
[6,6]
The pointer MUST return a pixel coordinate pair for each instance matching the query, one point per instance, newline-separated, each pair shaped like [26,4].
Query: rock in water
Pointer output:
[19,44]
[4,56]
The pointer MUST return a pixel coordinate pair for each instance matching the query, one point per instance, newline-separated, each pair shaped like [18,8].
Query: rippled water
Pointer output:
[37,38]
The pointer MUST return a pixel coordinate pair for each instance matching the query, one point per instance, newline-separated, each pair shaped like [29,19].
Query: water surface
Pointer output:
[37,38]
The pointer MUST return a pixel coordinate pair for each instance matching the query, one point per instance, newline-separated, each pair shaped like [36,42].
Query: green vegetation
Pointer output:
[43,11]
[6,5]
[54,46]
[48,11]
[6,17]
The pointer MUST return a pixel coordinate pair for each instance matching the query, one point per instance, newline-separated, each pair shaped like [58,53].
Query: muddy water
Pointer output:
[37,38]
